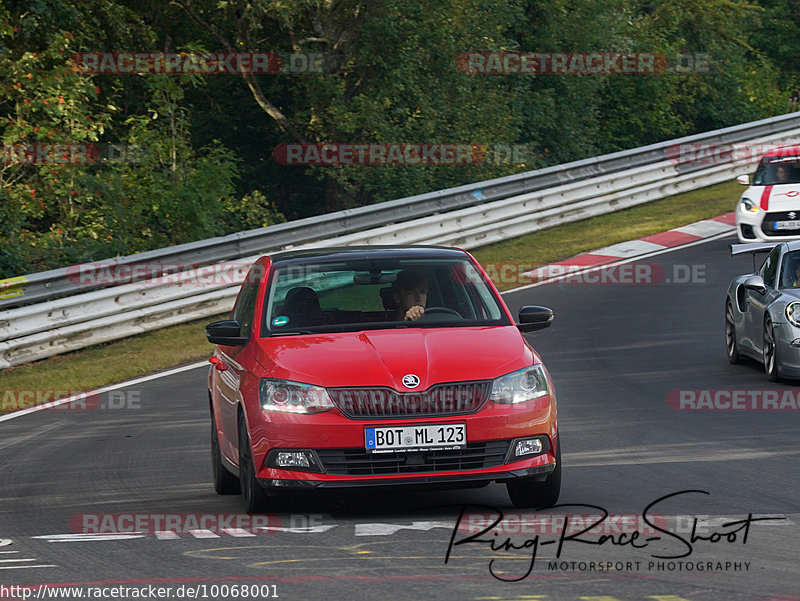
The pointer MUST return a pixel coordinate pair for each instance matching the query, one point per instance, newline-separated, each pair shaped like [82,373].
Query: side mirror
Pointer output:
[744,180]
[225,332]
[532,318]
[756,282]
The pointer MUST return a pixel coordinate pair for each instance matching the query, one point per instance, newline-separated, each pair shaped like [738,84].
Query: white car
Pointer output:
[769,210]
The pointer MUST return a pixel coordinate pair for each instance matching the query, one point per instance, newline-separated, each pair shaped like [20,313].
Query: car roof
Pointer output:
[783,151]
[346,253]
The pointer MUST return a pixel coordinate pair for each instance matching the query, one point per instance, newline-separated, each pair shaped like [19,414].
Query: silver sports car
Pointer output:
[762,310]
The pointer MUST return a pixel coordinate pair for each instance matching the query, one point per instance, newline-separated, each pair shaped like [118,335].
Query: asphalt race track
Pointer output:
[616,353]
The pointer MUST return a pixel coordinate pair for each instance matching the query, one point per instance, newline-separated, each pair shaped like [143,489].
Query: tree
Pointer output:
[389,77]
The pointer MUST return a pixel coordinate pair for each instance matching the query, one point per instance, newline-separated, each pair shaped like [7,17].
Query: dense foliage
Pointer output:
[180,157]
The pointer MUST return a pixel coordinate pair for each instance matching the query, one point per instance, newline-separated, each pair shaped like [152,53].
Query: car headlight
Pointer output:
[520,386]
[793,313]
[293,397]
[748,206]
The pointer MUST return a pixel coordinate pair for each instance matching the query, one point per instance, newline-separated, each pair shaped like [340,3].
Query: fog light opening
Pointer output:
[528,446]
[747,231]
[291,459]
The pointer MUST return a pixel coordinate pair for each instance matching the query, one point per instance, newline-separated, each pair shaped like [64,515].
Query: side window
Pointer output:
[770,267]
[245,305]
[760,175]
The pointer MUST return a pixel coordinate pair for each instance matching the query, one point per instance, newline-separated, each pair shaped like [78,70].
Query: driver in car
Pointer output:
[792,276]
[410,292]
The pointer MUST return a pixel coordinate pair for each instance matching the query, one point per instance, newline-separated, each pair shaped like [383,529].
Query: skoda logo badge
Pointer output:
[410,381]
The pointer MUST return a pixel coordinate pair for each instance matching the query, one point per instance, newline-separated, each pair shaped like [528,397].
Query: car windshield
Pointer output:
[790,270]
[378,293]
[774,171]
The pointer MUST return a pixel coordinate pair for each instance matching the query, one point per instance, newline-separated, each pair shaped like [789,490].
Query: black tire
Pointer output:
[225,483]
[255,497]
[770,352]
[527,492]
[731,344]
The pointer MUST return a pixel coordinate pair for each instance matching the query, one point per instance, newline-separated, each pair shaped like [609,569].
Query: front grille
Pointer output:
[770,232]
[441,399]
[768,227]
[782,216]
[358,462]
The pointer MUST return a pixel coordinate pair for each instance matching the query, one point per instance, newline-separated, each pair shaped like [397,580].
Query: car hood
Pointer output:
[792,293]
[785,197]
[383,357]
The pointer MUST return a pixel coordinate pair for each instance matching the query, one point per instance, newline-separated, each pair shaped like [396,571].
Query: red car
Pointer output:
[379,366]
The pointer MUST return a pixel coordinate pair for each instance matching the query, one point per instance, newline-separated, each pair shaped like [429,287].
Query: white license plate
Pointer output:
[787,225]
[409,438]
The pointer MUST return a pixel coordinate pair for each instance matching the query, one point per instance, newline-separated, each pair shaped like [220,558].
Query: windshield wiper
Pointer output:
[292,333]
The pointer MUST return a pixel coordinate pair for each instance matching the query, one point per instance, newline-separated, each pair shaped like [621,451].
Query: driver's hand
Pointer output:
[414,313]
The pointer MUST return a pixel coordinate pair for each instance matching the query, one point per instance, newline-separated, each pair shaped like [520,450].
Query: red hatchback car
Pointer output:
[379,366]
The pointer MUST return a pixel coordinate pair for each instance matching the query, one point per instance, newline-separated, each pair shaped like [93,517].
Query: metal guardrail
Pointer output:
[65,281]
[597,186]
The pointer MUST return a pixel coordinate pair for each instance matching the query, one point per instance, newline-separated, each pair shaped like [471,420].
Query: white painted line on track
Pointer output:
[15,560]
[298,529]
[166,535]
[238,532]
[594,268]
[203,534]
[26,567]
[81,395]
[705,228]
[79,537]
[627,249]
[384,529]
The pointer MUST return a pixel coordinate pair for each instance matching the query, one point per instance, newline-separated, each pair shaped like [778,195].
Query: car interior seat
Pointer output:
[302,307]
[389,304]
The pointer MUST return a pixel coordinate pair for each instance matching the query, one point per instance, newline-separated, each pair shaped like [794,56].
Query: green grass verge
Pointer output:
[557,244]
[146,353]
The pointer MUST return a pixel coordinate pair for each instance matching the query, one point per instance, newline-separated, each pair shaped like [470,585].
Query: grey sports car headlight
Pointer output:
[520,386]
[793,313]
[748,206]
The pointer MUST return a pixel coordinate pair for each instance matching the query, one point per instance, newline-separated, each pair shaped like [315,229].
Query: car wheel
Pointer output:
[225,483]
[255,497]
[730,335]
[528,492]
[770,352]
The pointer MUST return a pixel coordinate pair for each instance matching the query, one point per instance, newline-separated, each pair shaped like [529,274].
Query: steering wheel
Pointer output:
[448,310]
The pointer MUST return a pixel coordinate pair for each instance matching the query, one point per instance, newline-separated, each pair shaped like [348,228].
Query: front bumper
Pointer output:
[751,227]
[787,342]
[539,472]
